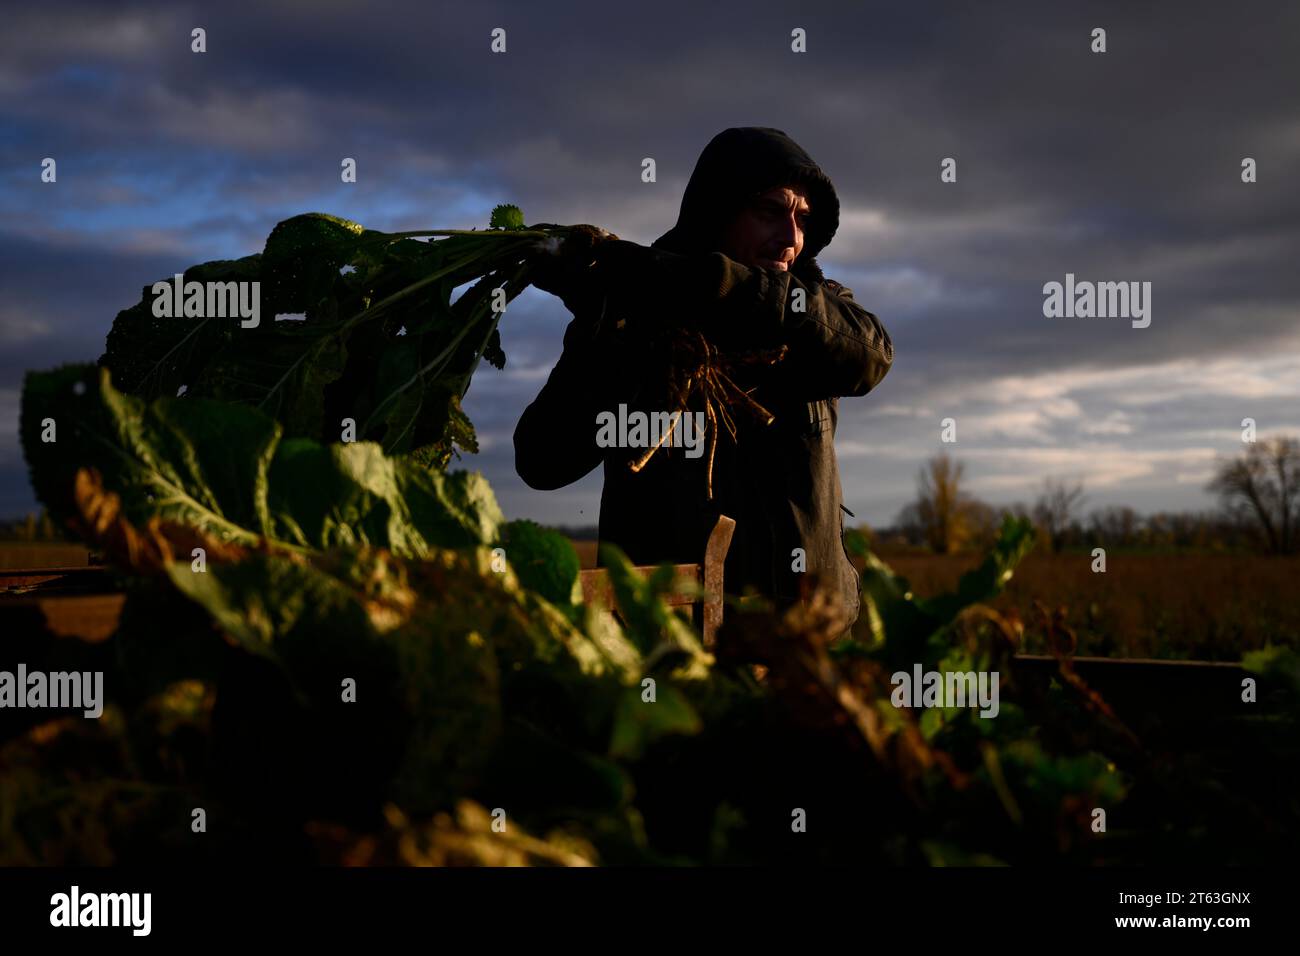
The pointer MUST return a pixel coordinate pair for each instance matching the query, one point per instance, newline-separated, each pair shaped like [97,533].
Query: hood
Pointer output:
[738,164]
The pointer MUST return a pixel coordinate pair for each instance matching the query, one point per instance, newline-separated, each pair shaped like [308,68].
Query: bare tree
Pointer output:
[1055,508]
[1116,525]
[1263,487]
[982,521]
[908,524]
[942,515]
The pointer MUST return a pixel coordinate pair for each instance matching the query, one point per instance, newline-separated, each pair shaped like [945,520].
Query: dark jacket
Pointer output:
[779,482]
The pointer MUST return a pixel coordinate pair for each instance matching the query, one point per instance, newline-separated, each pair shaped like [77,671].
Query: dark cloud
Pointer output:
[1122,166]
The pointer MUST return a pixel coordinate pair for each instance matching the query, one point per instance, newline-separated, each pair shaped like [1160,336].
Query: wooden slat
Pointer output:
[78,577]
[715,557]
[596,588]
[1157,664]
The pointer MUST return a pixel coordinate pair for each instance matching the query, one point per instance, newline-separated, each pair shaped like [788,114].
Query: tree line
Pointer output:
[1258,494]
[30,528]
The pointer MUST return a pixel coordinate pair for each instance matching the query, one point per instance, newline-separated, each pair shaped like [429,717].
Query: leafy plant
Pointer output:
[323,565]
[381,340]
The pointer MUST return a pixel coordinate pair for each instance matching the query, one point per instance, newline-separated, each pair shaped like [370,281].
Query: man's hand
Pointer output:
[563,265]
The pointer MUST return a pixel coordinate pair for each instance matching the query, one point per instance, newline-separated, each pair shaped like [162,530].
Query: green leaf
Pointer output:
[931,722]
[545,561]
[638,723]
[939,853]
[1014,541]
[223,470]
[544,770]
[427,701]
[899,627]
[663,637]
[891,619]
[1280,666]
[442,430]
[352,494]
[202,466]
[396,427]
[494,354]
[506,216]
[285,373]
[302,259]
[152,357]
[1051,778]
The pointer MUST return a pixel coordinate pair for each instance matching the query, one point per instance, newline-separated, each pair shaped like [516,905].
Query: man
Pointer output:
[738,267]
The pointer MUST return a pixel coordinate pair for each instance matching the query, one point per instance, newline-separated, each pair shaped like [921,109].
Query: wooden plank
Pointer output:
[78,577]
[1158,664]
[596,588]
[715,557]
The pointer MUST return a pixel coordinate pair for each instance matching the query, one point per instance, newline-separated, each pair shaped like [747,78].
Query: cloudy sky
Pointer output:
[1122,166]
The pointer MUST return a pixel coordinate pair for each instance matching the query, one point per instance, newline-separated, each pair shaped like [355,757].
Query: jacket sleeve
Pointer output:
[835,346]
[555,438]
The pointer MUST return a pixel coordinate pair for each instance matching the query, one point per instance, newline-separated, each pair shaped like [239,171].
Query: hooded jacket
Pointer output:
[780,481]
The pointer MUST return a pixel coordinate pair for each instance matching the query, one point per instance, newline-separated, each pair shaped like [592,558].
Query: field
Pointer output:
[1162,605]
[41,554]
[1181,606]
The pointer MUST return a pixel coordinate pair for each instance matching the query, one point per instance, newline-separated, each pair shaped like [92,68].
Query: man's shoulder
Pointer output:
[838,288]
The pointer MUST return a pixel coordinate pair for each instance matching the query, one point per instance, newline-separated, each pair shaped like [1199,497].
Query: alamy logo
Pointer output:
[103,909]
[59,689]
[651,430]
[208,300]
[946,689]
[1102,300]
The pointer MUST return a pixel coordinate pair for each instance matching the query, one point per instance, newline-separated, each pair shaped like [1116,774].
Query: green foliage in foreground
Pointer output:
[328,563]
[358,675]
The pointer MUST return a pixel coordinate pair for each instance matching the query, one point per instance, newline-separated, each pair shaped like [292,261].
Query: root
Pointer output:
[700,374]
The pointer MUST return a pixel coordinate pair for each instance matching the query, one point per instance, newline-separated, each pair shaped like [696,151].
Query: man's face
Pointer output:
[768,232]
